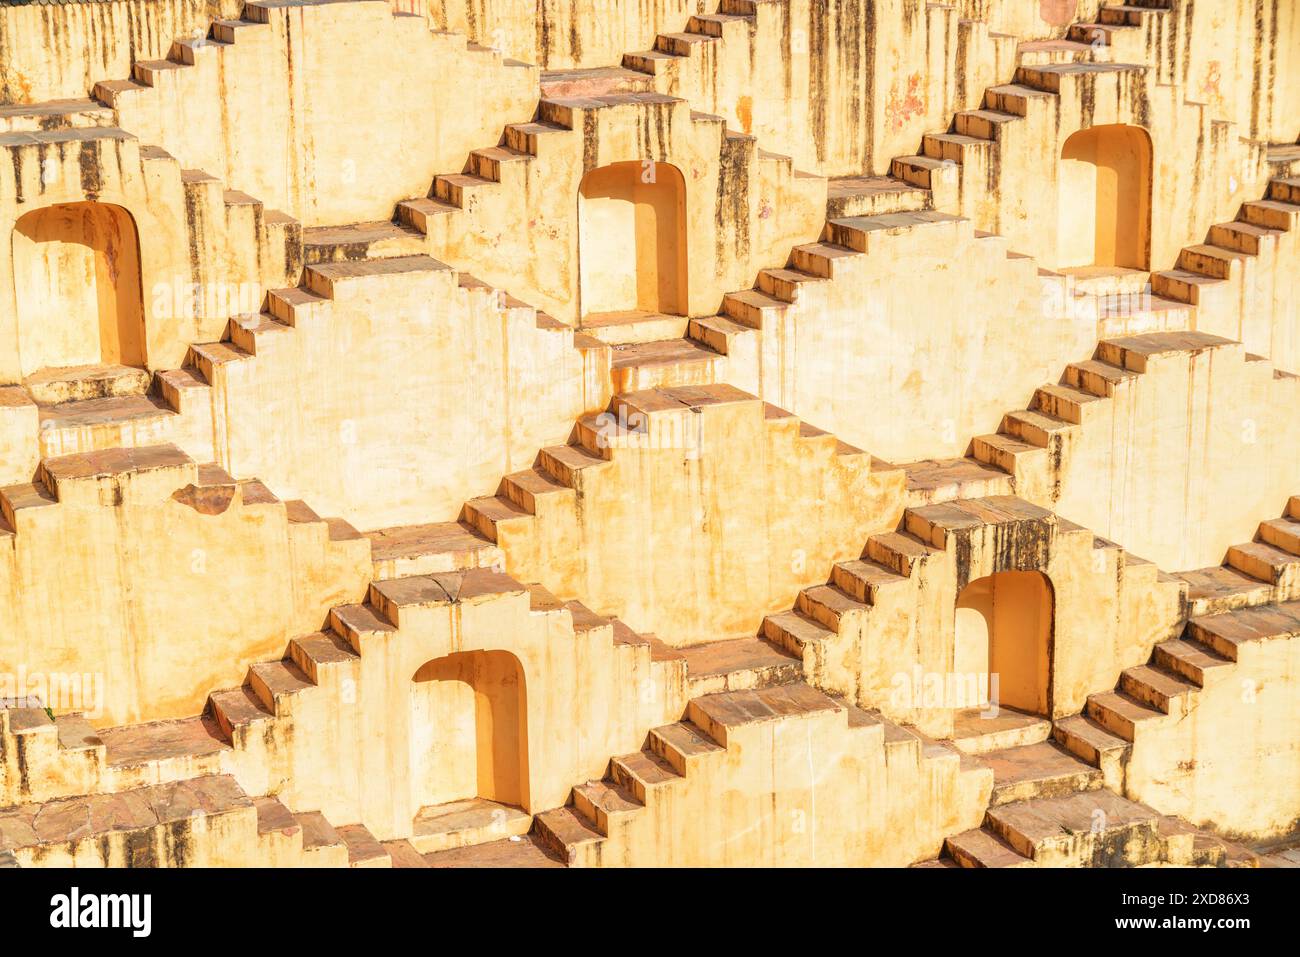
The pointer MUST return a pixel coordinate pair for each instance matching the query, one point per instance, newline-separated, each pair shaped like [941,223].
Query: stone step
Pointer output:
[603,802]
[236,711]
[62,114]
[118,475]
[195,744]
[980,847]
[942,480]
[985,730]
[1052,77]
[1242,237]
[422,214]
[487,514]
[568,463]
[1212,261]
[595,81]
[793,631]
[1041,770]
[153,826]
[567,832]
[528,851]
[1064,402]
[1220,588]
[405,550]
[373,240]
[643,772]
[463,823]
[633,326]
[317,652]
[1225,633]
[78,383]
[1163,690]
[1266,562]
[1285,190]
[363,849]
[1095,828]
[864,580]
[827,605]
[1191,660]
[1088,740]
[325,279]
[663,364]
[1120,714]
[321,843]
[1184,285]
[1282,533]
[276,683]
[984,124]
[861,233]
[529,488]
[403,854]
[91,425]
[1128,14]
[1097,377]
[738,664]
[718,714]
[900,552]
[1271,214]
[848,196]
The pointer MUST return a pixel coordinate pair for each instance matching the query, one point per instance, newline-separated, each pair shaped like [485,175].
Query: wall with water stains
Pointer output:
[278,111]
[56,51]
[193,237]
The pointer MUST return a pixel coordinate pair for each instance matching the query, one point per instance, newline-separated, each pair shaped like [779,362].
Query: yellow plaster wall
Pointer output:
[167,594]
[708,514]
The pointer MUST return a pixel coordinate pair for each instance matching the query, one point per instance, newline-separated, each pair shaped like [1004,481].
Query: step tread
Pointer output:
[82,818]
[137,744]
[738,654]
[411,541]
[525,851]
[1042,819]
[736,708]
[986,848]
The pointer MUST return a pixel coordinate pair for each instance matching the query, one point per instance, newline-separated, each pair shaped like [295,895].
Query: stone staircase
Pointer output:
[646,419]
[859,630]
[1261,572]
[160,93]
[764,686]
[1160,693]
[1223,271]
[48,759]
[1049,809]
[1031,443]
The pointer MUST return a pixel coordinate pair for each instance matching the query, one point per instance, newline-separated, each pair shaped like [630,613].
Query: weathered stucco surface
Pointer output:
[724,393]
